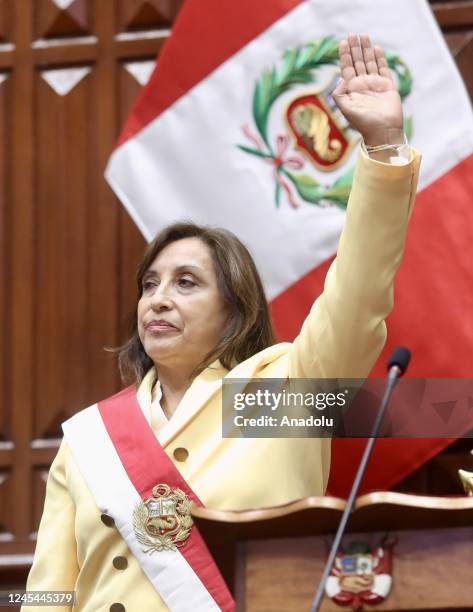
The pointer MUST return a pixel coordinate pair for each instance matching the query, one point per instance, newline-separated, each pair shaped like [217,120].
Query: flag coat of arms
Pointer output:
[237,128]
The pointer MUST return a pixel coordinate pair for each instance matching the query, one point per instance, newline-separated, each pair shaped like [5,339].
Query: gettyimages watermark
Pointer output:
[346,408]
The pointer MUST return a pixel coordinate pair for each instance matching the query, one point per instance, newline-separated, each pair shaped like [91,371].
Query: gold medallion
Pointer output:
[163,521]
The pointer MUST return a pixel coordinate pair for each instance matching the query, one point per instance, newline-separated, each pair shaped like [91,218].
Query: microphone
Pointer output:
[396,366]
[399,361]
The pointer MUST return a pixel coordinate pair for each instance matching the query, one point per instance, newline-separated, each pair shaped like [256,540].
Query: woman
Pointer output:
[114,494]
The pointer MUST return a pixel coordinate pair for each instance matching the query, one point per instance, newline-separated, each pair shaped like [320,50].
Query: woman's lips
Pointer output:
[157,326]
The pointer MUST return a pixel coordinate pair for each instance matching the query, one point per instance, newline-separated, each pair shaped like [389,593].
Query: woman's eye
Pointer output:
[186,283]
[148,285]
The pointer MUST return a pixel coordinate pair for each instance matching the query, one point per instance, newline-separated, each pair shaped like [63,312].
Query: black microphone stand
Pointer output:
[393,374]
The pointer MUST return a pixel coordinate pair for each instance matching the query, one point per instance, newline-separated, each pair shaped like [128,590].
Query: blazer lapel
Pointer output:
[202,389]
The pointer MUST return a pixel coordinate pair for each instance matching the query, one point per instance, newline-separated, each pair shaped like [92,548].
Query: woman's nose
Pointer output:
[161,299]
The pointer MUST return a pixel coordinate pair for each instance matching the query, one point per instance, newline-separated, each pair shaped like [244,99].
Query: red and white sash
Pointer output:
[121,461]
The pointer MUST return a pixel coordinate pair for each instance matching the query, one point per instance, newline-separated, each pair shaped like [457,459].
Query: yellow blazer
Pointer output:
[342,337]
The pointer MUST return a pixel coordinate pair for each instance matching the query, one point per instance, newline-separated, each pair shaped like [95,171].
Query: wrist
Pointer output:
[386,136]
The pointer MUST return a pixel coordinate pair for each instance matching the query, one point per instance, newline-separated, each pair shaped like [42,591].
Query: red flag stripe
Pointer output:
[212,41]
[147,464]
[433,311]
[433,315]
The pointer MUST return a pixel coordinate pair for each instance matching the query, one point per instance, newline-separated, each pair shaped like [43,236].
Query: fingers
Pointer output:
[358,57]
[356,54]
[368,55]
[382,63]
[346,61]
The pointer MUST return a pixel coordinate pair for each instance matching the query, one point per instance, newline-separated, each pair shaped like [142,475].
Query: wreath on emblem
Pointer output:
[299,67]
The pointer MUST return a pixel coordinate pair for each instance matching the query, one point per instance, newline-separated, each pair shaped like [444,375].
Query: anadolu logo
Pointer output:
[315,128]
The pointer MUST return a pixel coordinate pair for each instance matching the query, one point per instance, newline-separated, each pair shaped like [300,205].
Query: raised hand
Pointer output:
[367,94]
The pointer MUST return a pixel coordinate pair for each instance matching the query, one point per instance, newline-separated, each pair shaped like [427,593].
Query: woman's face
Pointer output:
[181,314]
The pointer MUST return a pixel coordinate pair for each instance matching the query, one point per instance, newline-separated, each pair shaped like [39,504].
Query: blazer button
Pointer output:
[180,454]
[120,563]
[107,520]
[117,607]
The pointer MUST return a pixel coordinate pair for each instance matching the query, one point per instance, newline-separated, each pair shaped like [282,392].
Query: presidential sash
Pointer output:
[134,481]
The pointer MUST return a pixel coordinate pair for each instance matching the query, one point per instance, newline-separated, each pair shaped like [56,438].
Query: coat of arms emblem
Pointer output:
[361,575]
[163,521]
[320,131]
[315,127]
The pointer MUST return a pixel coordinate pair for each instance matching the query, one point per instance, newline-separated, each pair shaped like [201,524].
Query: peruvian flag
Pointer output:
[236,128]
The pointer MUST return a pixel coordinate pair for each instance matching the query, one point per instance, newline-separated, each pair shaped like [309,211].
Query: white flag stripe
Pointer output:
[114,493]
[186,164]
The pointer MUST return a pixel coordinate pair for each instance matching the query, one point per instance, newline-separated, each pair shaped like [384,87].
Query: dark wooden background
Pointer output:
[68,75]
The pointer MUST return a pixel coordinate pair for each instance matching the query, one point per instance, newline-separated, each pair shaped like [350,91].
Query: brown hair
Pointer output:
[249,328]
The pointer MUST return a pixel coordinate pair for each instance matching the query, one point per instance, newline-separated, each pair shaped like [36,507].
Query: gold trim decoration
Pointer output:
[467,481]
[163,521]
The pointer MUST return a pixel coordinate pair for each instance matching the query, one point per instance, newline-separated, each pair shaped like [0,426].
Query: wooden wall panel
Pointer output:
[63,99]
[453,13]
[146,14]
[456,19]
[5,276]
[20,261]
[55,18]
[462,49]
[103,239]
[5,20]
[6,526]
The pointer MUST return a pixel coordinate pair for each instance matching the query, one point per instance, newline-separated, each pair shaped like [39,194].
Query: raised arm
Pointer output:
[345,330]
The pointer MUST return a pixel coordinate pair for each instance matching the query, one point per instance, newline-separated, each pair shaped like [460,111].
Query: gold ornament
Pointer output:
[163,521]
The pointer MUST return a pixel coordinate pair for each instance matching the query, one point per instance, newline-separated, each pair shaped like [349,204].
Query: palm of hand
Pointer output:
[367,94]
[369,102]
